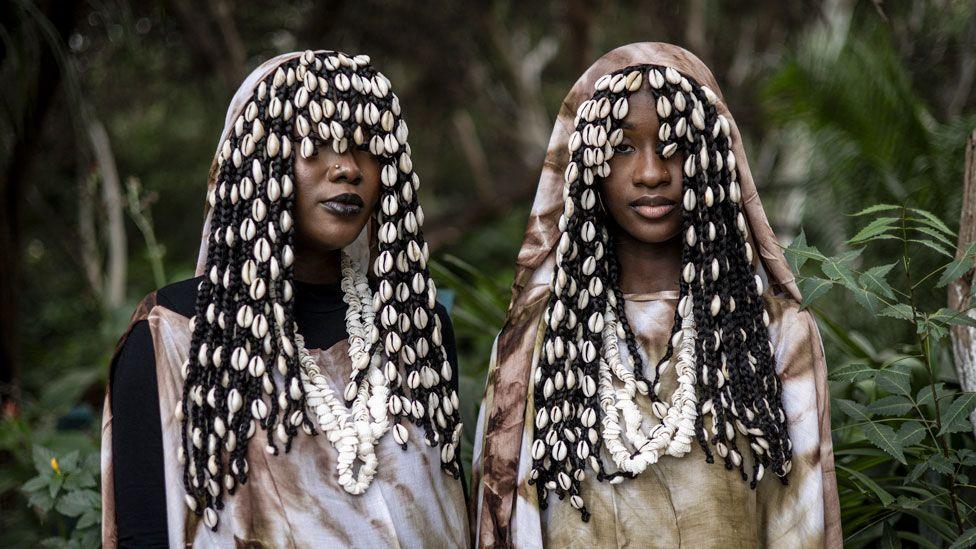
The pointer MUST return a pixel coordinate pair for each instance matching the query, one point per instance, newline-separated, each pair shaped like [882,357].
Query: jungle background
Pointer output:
[110,111]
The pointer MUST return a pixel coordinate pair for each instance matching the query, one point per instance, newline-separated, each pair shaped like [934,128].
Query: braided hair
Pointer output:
[721,317]
[243,366]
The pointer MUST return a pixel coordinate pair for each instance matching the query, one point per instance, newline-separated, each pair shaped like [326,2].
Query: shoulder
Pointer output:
[786,311]
[134,351]
[791,329]
[134,360]
[180,297]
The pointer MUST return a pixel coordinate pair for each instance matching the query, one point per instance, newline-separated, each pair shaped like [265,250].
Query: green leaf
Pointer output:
[41,499]
[908,502]
[893,405]
[933,245]
[42,460]
[939,464]
[793,254]
[889,540]
[877,208]
[933,221]
[874,280]
[911,433]
[955,418]
[80,479]
[955,270]
[886,438]
[853,409]
[879,226]
[74,504]
[967,539]
[949,316]
[69,462]
[936,235]
[901,311]
[836,268]
[54,486]
[896,379]
[966,457]
[89,519]
[35,484]
[852,372]
[883,495]
[934,330]
[812,288]
[924,395]
[866,299]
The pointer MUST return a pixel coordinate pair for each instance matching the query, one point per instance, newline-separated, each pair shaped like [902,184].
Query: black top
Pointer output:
[137,443]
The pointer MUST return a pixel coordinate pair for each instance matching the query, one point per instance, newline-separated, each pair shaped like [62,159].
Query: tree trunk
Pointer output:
[13,176]
[964,337]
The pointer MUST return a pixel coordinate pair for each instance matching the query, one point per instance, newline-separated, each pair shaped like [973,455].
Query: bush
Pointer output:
[903,439]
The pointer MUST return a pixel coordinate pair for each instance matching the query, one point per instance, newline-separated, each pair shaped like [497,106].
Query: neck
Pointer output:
[316,266]
[647,267]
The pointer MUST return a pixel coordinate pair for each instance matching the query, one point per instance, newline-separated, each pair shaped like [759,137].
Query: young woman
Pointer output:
[280,398]
[655,384]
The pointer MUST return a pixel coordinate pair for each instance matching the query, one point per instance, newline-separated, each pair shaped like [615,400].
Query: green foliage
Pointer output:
[55,469]
[65,491]
[903,435]
[866,103]
[478,313]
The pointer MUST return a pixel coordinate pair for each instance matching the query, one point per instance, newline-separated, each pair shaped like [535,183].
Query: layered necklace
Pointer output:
[674,434]
[355,430]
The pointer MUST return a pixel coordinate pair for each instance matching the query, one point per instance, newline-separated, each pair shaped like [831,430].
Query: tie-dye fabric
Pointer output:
[294,499]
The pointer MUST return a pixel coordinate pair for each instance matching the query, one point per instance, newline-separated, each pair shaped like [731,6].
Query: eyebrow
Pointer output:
[627,126]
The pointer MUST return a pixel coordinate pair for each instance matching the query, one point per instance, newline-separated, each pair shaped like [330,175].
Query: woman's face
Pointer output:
[643,192]
[336,195]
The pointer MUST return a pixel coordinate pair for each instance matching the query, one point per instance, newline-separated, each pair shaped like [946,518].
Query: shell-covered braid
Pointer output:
[719,343]
[247,366]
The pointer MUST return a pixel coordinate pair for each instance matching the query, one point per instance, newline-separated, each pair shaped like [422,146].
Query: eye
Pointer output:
[319,143]
[623,148]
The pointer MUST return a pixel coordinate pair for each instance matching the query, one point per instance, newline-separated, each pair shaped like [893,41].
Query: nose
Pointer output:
[345,169]
[650,170]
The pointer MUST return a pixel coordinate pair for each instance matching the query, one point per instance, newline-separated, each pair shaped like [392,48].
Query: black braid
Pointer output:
[736,377]
[243,350]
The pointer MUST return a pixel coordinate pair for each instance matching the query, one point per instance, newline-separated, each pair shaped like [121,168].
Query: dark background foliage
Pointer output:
[111,110]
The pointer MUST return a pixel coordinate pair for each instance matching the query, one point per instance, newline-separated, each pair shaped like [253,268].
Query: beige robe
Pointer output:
[294,499]
[684,502]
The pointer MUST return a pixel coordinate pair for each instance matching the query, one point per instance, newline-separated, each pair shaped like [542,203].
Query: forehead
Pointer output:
[642,114]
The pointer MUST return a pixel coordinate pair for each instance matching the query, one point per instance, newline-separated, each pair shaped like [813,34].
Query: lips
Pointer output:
[345,204]
[653,207]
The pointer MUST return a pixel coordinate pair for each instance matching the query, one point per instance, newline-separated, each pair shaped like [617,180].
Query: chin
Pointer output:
[328,242]
[653,232]
[656,235]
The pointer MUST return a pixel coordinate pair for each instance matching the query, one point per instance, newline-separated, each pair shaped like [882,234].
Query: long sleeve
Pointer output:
[140,485]
[450,348]
[833,536]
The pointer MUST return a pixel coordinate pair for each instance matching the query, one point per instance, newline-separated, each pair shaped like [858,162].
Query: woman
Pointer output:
[654,329]
[277,399]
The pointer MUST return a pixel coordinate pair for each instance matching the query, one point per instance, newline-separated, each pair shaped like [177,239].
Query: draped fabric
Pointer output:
[679,502]
[292,499]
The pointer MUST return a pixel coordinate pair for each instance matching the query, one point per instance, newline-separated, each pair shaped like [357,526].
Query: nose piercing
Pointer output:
[336,167]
